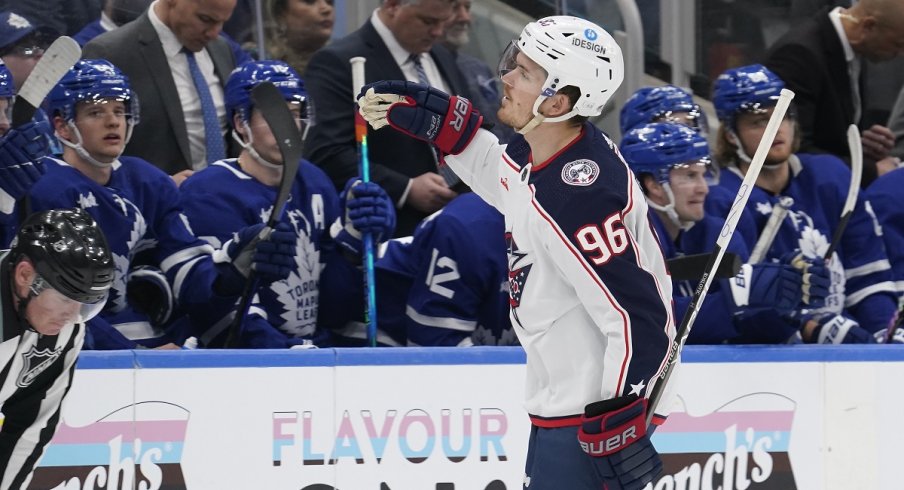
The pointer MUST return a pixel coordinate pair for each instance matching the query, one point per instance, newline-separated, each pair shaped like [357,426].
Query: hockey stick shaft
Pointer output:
[270,103]
[731,222]
[692,267]
[764,243]
[370,290]
[856,149]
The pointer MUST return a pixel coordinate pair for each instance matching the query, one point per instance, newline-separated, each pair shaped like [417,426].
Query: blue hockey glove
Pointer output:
[614,433]
[21,151]
[420,111]
[829,328]
[270,253]
[149,292]
[816,279]
[366,209]
[767,285]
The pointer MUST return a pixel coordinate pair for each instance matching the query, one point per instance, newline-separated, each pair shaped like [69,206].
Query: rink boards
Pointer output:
[445,419]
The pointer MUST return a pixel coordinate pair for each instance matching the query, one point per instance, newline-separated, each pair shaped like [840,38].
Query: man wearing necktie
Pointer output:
[178,63]
[399,41]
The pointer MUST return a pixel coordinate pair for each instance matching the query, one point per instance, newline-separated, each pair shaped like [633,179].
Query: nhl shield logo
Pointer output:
[581,172]
[35,362]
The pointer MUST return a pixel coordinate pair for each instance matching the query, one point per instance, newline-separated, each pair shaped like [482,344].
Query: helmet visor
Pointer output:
[509,60]
[56,308]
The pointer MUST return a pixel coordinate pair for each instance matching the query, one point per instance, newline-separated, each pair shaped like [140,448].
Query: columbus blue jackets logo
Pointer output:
[35,362]
[581,172]
[519,269]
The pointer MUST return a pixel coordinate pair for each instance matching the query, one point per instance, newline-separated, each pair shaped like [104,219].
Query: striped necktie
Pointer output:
[419,68]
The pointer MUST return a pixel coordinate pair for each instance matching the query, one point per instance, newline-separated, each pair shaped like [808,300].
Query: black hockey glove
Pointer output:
[614,433]
[148,292]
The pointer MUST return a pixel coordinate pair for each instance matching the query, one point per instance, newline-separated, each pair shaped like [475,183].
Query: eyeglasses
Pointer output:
[26,51]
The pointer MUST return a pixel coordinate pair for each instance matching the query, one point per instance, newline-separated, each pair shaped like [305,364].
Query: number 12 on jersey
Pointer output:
[601,243]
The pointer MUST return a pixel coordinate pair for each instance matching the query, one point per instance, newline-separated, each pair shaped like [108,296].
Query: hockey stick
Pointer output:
[764,243]
[57,60]
[856,148]
[272,105]
[731,222]
[692,267]
[370,313]
[48,71]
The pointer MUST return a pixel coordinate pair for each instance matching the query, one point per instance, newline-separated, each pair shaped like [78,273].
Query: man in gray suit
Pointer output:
[177,63]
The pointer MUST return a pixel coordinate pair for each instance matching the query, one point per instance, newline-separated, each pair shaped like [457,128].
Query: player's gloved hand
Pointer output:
[614,433]
[366,209]
[816,279]
[270,253]
[420,111]
[767,285]
[21,151]
[149,292]
[894,333]
[830,328]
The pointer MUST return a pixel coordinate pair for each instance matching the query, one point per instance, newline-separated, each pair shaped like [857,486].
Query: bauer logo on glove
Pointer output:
[422,112]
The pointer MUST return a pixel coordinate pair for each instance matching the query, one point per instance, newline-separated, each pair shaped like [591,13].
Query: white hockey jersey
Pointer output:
[590,294]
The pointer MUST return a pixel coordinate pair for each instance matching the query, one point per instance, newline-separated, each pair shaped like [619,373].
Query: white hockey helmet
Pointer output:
[573,51]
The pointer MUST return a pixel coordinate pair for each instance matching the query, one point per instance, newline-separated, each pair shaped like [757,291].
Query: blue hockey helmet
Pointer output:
[92,81]
[7,88]
[751,88]
[649,104]
[244,78]
[659,147]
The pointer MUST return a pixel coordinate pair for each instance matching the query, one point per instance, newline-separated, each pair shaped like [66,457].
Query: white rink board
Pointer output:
[423,419]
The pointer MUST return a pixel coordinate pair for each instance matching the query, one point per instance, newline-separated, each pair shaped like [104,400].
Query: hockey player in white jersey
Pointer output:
[590,294]
[55,278]
[324,288]
[672,163]
[134,203]
[862,297]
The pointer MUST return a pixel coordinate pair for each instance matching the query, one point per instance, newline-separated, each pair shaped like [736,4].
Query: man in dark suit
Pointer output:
[405,167]
[162,53]
[822,62]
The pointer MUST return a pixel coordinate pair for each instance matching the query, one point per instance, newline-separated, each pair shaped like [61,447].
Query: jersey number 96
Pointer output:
[602,243]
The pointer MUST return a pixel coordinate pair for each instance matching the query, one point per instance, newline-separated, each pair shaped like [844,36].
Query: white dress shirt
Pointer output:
[853,62]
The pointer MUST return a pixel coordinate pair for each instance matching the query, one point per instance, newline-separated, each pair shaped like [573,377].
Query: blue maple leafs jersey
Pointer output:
[884,194]
[862,284]
[323,289]
[590,294]
[137,212]
[715,321]
[448,284]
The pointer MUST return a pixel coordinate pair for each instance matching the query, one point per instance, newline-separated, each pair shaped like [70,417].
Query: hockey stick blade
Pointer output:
[731,223]
[272,105]
[692,267]
[856,148]
[57,60]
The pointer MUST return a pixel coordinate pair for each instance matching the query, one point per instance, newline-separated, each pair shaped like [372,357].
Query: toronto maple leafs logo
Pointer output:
[298,295]
[519,269]
[123,253]
[35,362]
